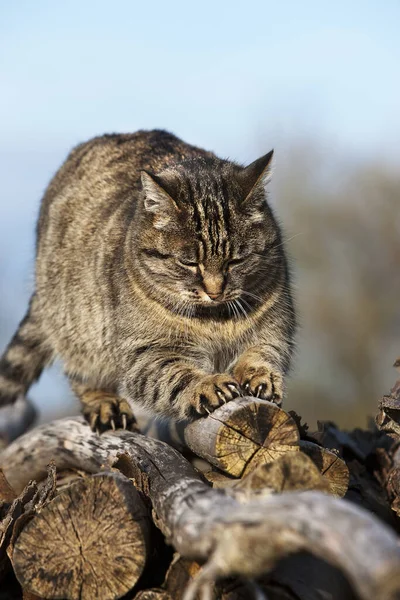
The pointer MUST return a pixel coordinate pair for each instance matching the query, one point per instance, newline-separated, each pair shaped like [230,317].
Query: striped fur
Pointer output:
[161,278]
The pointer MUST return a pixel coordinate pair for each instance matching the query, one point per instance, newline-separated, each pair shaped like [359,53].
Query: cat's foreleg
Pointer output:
[174,386]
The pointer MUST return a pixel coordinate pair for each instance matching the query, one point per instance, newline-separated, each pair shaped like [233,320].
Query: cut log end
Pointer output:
[88,542]
[243,434]
[293,471]
[332,468]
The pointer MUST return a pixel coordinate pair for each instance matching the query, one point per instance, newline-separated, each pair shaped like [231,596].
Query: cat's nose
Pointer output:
[213,285]
[214,296]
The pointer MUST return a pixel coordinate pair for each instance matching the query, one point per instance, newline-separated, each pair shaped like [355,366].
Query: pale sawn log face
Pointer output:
[90,541]
[241,435]
[332,468]
[290,472]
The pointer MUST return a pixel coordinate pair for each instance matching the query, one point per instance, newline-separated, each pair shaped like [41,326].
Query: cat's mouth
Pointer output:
[223,307]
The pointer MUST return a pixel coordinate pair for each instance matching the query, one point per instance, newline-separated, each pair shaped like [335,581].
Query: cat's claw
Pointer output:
[106,412]
[234,389]
[212,391]
[263,381]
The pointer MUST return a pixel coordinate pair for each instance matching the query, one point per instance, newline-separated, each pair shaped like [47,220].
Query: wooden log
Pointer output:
[180,573]
[90,541]
[31,499]
[333,469]
[208,525]
[219,480]
[7,494]
[154,594]
[242,434]
[388,420]
[290,472]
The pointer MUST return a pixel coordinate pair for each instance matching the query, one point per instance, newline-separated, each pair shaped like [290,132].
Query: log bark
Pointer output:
[208,525]
[242,434]
[90,541]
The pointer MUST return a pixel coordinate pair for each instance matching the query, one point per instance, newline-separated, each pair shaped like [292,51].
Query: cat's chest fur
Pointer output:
[219,344]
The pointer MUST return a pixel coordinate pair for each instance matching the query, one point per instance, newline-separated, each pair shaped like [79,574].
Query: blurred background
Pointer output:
[317,81]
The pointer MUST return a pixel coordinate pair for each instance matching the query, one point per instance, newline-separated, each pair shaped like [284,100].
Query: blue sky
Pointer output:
[223,74]
[234,77]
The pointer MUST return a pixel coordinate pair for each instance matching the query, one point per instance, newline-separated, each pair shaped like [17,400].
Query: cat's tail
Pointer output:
[24,358]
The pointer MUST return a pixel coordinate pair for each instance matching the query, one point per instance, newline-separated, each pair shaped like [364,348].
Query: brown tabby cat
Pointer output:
[161,279]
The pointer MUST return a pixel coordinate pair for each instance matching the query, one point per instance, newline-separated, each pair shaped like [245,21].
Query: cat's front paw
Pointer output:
[260,380]
[213,391]
[105,411]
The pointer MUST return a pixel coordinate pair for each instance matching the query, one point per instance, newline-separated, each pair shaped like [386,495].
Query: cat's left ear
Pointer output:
[252,180]
[158,201]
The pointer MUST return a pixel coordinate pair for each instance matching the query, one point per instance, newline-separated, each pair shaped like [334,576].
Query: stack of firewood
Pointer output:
[249,504]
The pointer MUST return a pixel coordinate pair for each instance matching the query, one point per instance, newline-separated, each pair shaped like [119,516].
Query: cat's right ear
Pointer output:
[158,201]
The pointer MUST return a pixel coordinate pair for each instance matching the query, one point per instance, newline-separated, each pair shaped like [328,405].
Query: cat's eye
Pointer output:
[151,253]
[188,263]
[236,261]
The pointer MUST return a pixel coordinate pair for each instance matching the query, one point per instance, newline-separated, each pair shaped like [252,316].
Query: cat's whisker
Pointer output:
[289,239]
[251,295]
[273,247]
[239,305]
[247,304]
[234,307]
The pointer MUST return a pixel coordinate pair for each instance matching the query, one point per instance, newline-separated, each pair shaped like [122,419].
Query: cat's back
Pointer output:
[106,169]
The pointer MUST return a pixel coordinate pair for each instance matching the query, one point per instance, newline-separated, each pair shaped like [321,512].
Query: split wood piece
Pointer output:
[154,594]
[332,468]
[388,420]
[290,472]
[32,499]
[180,573]
[220,480]
[242,434]
[210,526]
[90,541]
[7,494]
[388,417]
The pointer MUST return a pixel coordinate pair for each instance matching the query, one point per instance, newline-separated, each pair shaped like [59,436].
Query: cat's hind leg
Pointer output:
[104,410]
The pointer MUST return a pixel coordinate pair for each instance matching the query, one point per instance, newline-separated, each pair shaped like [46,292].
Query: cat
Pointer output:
[161,280]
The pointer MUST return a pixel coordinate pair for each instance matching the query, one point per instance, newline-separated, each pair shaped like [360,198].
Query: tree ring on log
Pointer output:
[89,542]
[332,468]
[290,472]
[241,435]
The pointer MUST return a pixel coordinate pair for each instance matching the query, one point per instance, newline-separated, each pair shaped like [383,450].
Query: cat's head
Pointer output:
[208,243]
